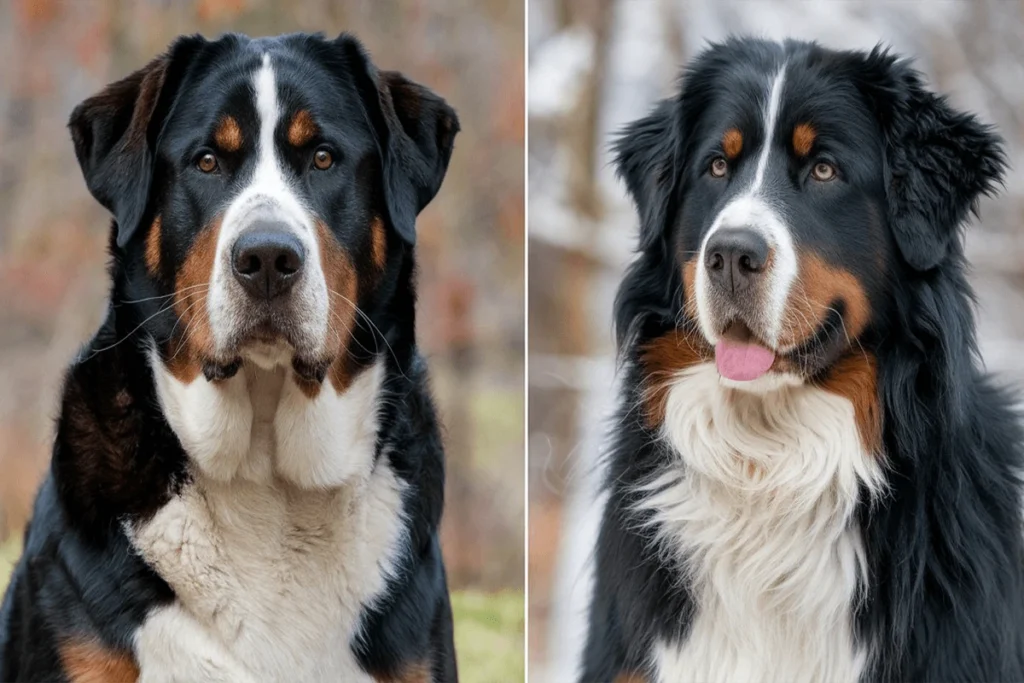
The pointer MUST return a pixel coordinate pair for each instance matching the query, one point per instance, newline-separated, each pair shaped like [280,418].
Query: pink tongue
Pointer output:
[742,362]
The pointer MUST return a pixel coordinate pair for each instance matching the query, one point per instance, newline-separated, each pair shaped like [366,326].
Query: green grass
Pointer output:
[489,634]
[489,628]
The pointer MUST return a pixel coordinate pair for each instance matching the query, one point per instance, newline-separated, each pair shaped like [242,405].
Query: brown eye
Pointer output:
[207,163]
[824,171]
[719,167]
[323,160]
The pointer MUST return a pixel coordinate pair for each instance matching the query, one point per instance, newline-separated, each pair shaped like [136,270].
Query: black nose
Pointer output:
[267,260]
[735,258]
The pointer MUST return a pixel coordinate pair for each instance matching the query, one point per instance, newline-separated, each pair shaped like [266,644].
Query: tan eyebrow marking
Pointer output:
[732,143]
[228,135]
[302,129]
[803,139]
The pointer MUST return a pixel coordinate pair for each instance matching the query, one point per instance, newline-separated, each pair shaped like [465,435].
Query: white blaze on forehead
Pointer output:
[752,210]
[266,107]
[770,121]
[268,195]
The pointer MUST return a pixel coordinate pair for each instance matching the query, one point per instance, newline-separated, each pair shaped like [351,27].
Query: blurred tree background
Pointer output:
[595,65]
[54,53]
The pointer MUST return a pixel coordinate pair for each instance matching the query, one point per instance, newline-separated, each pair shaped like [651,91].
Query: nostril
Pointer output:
[287,263]
[746,265]
[717,261]
[250,264]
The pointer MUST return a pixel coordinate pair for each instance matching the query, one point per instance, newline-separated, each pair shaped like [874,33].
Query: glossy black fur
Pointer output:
[946,595]
[115,458]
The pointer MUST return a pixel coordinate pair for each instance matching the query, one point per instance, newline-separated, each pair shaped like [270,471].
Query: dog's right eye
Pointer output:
[823,171]
[719,167]
[207,163]
[323,160]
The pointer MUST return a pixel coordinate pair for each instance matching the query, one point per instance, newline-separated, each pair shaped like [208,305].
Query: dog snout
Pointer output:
[267,260]
[735,259]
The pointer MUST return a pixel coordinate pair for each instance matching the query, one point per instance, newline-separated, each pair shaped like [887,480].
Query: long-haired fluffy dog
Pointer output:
[811,478]
[247,477]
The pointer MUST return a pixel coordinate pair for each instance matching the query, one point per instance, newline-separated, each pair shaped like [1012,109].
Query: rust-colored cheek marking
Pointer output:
[153,248]
[302,129]
[90,662]
[344,291]
[817,287]
[732,143]
[662,359]
[228,135]
[378,243]
[855,377]
[690,288]
[193,338]
[417,672]
[803,139]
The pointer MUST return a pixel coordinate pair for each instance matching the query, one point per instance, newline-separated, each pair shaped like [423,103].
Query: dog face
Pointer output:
[791,189]
[269,189]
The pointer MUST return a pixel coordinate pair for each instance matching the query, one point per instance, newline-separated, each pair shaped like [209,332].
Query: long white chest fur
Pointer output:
[270,574]
[759,515]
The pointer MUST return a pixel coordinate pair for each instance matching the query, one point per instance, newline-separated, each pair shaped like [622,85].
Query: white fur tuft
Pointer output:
[269,580]
[760,515]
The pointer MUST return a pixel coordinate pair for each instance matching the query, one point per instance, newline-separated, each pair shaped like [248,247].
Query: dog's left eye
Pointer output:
[824,171]
[322,160]
[719,167]
[207,163]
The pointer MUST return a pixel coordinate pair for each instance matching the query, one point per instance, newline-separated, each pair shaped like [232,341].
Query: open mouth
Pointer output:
[739,356]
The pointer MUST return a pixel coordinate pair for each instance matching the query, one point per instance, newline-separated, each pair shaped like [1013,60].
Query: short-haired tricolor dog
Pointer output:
[247,476]
[811,478]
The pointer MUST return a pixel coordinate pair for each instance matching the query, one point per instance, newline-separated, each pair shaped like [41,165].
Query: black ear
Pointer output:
[938,160]
[647,159]
[115,134]
[416,131]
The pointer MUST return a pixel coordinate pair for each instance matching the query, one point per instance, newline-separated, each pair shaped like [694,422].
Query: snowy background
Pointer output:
[594,66]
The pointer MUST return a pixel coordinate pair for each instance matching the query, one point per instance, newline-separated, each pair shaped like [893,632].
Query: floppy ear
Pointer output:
[938,160]
[646,158]
[415,130]
[115,134]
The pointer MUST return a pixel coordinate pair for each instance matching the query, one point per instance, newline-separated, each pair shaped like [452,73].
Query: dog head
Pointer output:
[264,193]
[785,193]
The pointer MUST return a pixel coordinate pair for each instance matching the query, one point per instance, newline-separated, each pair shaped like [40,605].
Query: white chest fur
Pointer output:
[258,425]
[270,570]
[760,516]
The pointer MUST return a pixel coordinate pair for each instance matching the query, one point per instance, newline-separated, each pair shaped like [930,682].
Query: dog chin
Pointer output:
[268,354]
[271,355]
[769,382]
[265,354]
